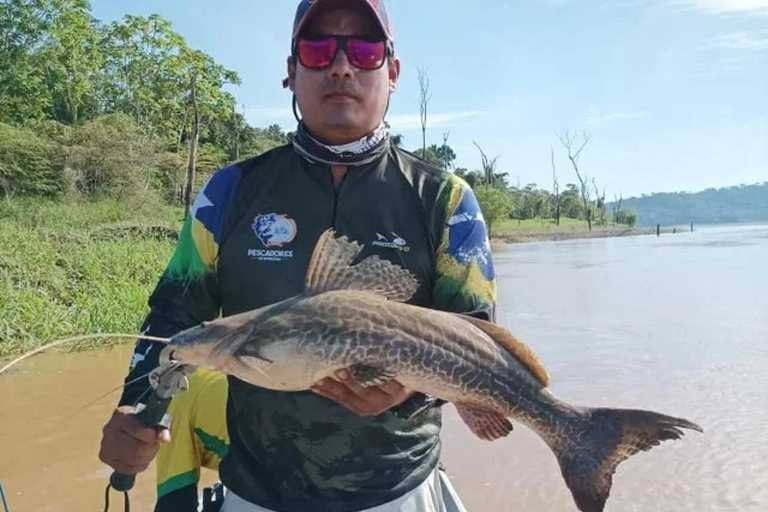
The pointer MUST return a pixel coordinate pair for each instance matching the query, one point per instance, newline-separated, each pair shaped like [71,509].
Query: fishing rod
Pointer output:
[165,382]
[2,496]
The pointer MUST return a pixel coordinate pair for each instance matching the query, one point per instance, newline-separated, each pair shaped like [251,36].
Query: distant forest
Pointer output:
[742,203]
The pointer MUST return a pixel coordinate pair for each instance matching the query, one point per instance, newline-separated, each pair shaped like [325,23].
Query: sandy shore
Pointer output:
[553,234]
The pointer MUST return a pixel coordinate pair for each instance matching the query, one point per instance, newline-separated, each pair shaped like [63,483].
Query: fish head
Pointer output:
[210,344]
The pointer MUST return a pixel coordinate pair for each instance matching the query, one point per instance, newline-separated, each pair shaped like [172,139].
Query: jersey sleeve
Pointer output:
[199,439]
[187,291]
[465,280]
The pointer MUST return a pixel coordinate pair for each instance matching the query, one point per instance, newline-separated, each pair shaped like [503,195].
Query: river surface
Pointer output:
[677,324]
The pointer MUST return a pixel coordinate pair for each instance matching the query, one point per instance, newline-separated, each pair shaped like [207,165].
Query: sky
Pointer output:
[673,93]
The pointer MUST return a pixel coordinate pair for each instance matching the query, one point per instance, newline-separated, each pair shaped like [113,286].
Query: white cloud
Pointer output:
[748,41]
[616,116]
[406,122]
[723,6]
[265,115]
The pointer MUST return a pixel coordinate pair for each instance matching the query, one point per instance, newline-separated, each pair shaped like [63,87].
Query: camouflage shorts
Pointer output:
[427,497]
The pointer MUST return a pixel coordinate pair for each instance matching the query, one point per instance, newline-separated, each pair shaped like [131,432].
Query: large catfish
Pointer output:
[355,317]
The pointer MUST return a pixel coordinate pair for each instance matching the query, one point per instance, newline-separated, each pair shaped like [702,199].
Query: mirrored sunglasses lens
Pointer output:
[316,53]
[366,54]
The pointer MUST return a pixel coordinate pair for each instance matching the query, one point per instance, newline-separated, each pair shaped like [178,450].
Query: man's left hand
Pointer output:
[364,401]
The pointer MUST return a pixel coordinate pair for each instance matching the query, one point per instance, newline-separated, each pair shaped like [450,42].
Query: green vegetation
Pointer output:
[743,203]
[539,224]
[82,269]
[90,110]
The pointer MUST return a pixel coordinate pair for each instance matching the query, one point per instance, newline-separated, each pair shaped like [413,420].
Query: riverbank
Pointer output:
[555,234]
[538,230]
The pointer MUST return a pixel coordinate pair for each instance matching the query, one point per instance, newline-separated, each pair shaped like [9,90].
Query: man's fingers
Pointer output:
[140,432]
[393,388]
[340,394]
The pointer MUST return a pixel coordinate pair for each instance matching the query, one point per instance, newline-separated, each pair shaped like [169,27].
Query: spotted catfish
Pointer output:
[356,316]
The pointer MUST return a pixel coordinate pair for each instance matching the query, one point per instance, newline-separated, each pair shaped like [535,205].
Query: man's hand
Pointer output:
[127,445]
[370,401]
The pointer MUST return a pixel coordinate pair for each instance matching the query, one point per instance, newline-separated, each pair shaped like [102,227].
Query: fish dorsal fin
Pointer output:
[522,352]
[331,269]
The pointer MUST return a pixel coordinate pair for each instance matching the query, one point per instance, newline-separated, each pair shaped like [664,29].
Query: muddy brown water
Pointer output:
[677,324]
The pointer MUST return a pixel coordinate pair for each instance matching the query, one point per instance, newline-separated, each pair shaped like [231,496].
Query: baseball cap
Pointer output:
[308,7]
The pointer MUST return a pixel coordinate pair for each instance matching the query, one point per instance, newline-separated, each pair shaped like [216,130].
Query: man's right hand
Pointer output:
[127,445]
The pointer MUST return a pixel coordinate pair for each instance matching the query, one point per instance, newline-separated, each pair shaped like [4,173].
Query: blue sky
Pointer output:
[674,93]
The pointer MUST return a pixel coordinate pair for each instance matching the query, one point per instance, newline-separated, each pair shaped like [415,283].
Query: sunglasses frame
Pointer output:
[341,45]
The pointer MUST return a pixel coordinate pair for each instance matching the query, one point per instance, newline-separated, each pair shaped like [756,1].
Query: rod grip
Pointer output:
[153,414]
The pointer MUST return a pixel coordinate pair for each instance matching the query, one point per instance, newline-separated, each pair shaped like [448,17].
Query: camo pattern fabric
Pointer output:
[298,452]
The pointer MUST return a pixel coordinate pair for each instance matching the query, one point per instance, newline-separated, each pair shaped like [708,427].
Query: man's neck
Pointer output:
[338,172]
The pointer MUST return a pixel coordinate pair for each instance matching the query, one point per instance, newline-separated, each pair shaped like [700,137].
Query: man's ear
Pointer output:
[394,74]
[290,81]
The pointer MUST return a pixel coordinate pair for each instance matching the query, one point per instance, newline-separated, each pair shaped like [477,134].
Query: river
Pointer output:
[677,324]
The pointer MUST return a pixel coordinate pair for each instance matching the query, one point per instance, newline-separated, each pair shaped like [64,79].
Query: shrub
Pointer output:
[26,167]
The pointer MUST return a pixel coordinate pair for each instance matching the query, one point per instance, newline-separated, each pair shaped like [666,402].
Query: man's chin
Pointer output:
[344,127]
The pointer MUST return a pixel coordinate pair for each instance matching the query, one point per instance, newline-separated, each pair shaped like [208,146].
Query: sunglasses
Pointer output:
[363,53]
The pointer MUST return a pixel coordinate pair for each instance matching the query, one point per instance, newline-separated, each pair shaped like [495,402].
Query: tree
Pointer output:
[569,142]
[36,36]
[626,217]
[193,141]
[490,176]
[425,95]
[495,203]
[73,59]
[147,75]
[431,155]
[555,189]
[446,153]
[616,206]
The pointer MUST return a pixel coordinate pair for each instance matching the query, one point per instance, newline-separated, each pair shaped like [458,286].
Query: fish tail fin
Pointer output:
[605,438]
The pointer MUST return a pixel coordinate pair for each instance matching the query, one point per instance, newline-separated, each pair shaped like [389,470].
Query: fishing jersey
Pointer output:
[247,242]
[199,439]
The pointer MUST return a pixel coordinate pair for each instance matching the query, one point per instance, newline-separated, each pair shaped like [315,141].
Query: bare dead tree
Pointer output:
[445,150]
[617,207]
[489,166]
[569,141]
[425,95]
[599,200]
[555,187]
[193,140]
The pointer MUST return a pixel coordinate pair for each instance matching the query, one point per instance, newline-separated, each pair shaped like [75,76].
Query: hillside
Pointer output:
[743,203]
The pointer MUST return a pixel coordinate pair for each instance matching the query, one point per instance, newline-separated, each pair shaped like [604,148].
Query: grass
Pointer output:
[67,270]
[511,225]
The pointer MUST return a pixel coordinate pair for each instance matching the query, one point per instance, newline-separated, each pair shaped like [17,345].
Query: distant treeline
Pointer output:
[742,203]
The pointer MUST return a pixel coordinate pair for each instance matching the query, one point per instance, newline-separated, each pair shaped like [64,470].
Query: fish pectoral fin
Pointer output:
[485,424]
[368,375]
[258,363]
[331,269]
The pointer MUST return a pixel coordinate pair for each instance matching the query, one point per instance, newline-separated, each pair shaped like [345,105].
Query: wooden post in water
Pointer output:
[691,227]
[658,229]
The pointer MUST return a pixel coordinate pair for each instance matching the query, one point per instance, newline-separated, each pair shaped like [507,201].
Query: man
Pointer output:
[247,242]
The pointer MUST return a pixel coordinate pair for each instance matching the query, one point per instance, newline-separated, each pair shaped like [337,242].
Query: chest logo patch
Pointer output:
[394,242]
[273,231]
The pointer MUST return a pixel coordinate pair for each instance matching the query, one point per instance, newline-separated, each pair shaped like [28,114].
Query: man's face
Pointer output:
[342,103]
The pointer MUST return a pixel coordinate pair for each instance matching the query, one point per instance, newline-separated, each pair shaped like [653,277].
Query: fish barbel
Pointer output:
[356,317]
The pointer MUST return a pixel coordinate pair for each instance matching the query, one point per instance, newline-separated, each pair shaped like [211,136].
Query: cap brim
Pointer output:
[315,7]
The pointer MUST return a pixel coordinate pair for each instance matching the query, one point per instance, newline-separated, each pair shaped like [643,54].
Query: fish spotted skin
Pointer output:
[356,317]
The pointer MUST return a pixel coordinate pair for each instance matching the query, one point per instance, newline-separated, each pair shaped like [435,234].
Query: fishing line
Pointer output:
[80,338]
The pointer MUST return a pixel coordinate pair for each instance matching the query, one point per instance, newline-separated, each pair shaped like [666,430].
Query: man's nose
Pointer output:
[340,67]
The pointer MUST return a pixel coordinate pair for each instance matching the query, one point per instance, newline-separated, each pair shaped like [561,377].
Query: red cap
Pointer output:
[307,7]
